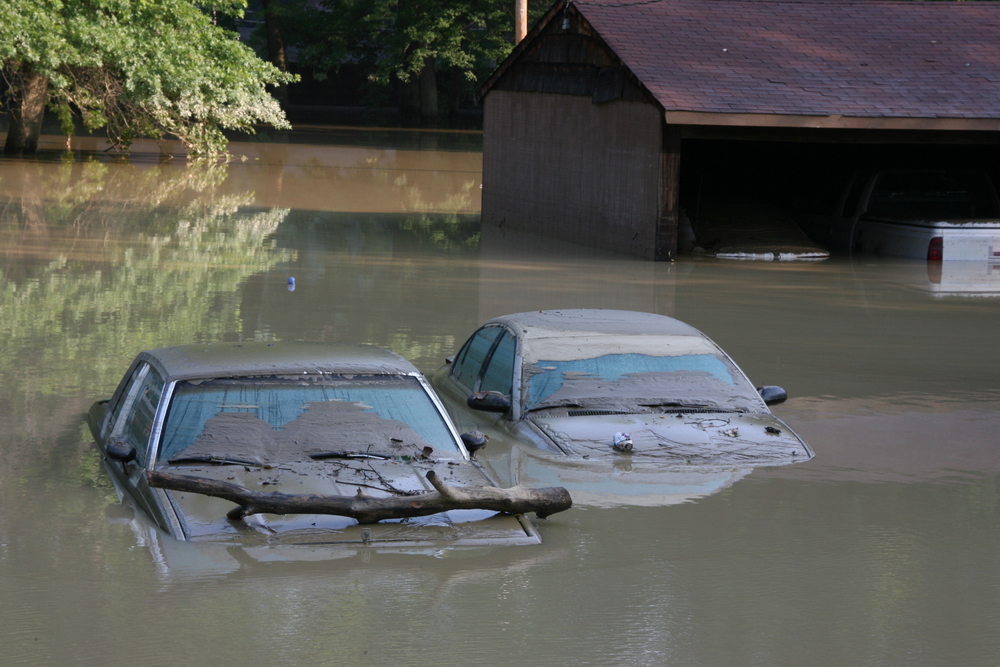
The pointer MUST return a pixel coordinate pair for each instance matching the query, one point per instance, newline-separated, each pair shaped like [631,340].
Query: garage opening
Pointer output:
[731,187]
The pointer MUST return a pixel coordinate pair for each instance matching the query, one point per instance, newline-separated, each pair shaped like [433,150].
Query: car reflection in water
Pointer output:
[958,278]
[619,407]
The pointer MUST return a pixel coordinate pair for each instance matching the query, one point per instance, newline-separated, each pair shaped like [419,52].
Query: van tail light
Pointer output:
[935,249]
[935,252]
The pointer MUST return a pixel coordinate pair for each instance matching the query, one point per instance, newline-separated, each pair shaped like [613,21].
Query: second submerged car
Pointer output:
[626,388]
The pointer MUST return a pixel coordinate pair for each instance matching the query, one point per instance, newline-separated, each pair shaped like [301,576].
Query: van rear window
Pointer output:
[933,195]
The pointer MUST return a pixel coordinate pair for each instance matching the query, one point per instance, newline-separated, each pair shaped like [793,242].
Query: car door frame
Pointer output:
[514,413]
[131,475]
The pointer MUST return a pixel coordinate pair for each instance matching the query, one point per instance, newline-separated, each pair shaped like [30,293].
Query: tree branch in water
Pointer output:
[369,509]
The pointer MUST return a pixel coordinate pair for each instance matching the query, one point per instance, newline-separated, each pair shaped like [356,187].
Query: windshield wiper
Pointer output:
[349,455]
[680,405]
[670,404]
[217,459]
[554,406]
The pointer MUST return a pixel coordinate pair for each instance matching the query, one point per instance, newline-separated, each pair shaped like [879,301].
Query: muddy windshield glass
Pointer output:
[639,382]
[275,419]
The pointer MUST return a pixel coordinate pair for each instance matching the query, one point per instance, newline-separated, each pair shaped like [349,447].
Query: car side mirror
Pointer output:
[120,451]
[488,401]
[772,395]
[474,440]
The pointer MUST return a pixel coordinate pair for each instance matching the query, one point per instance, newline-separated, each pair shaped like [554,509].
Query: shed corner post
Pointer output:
[670,167]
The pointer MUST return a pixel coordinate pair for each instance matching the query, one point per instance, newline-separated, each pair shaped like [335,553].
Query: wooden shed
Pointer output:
[585,121]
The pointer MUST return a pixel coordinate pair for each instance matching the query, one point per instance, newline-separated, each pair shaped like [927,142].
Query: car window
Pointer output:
[470,360]
[920,195]
[499,375]
[630,381]
[138,423]
[283,419]
[854,196]
[122,398]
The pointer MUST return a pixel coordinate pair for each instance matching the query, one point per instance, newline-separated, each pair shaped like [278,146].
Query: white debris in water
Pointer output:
[770,256]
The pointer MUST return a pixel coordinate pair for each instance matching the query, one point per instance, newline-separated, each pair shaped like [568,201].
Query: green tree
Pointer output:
[135,67]
[275,44]
[405,42]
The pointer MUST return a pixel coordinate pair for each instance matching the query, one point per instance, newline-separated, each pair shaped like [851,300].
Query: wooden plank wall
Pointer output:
[670,174]
[561,166]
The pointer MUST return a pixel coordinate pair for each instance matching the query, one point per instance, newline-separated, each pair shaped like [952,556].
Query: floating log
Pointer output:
[368,509]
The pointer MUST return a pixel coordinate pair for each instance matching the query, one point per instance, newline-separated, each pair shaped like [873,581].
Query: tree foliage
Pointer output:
[401,35]
[140,68]
[397,40]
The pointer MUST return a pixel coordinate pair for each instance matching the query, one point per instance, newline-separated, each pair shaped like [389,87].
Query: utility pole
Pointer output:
[520,20]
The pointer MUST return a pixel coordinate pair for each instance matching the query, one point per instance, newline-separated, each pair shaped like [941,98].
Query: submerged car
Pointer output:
[640,392]
[303,419]
[935,215]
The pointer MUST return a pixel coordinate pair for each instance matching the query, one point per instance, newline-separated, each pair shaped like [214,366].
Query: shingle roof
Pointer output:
[869,58]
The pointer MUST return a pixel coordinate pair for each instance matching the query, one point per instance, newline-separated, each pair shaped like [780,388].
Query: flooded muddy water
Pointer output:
[882,550]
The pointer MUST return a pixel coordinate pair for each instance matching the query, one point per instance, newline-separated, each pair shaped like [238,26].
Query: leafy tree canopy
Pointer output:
[456,33]
[140,68]
[396,38]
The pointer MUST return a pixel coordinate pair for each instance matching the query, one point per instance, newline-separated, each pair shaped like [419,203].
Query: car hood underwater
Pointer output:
[719,438]
[202,518]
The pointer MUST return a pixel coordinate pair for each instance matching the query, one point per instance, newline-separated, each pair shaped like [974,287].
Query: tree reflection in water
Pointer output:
[93,253]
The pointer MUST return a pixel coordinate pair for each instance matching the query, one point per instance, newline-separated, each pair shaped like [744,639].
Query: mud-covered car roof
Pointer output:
[547,339]
[547,323]
[213,360]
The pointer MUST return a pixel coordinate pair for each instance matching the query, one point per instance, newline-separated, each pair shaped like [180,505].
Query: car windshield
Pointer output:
[692,375]
[283,419]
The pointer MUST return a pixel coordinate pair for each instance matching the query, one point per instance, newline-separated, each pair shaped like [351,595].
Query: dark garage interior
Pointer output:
[807,177]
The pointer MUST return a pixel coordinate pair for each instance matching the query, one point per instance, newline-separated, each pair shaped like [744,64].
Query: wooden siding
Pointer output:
[670,172]
[564,167]
[573,63]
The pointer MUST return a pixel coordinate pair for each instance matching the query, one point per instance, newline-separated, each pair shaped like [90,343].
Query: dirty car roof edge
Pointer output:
[595,320]
[275,357]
